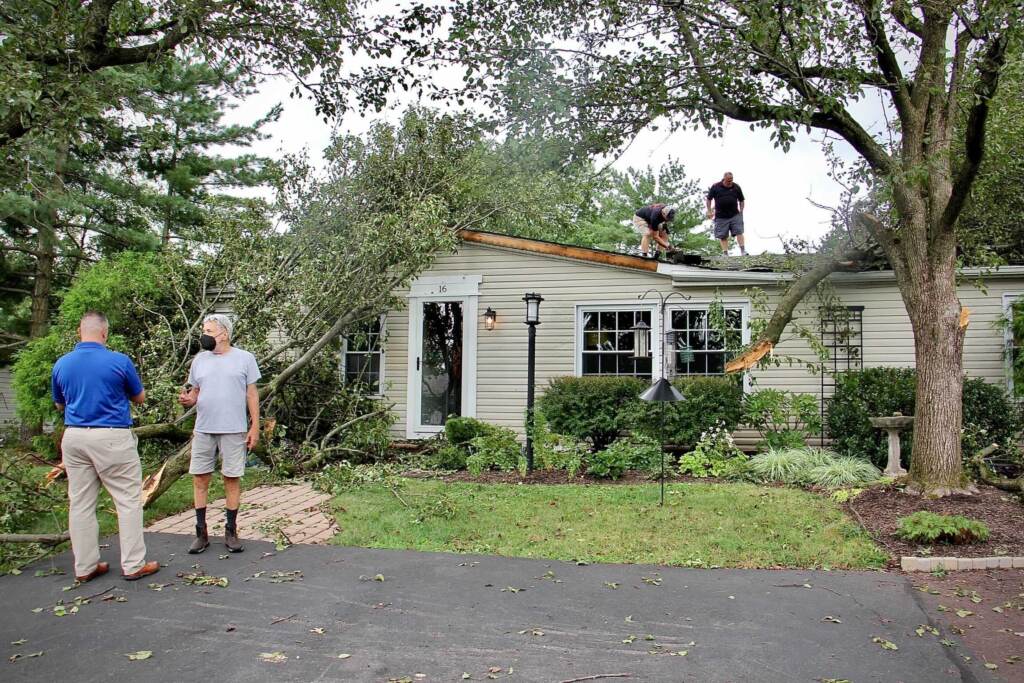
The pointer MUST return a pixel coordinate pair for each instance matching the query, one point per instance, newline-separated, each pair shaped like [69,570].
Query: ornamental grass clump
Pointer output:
[788,465]
[928,527]
[812,466]
[840,472]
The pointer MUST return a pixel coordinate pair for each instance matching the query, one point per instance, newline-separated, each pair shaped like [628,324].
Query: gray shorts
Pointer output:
[726,226]
[204,453]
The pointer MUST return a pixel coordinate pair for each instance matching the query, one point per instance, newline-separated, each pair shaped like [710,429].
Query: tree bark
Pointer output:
[50,539]
[927,282]
[46,249]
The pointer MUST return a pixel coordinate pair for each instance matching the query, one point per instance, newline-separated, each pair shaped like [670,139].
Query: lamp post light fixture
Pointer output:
[532,300]
[490,317]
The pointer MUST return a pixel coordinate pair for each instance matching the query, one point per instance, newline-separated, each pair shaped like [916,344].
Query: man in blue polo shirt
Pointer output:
[92,386]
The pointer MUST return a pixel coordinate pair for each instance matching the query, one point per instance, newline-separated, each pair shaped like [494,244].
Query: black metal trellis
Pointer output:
[842,335]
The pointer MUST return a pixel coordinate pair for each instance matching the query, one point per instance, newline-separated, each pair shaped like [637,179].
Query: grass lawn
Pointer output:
[701,525]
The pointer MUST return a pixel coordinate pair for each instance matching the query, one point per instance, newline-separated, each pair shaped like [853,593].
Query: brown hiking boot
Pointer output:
[151,567]
[201,542]
[231,540]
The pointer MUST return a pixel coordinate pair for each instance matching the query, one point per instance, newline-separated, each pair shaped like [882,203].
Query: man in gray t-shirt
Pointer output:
[222,387]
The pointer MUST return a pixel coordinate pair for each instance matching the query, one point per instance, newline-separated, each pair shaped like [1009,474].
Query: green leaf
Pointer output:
[140,655]
[886,644]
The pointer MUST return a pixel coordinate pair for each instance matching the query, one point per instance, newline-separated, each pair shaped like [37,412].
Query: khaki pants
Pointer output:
[109,457]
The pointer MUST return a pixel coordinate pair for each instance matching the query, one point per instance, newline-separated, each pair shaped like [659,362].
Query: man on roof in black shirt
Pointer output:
[651,222]
[725,207]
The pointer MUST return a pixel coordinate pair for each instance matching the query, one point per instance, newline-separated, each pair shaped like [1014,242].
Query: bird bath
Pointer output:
[893,426]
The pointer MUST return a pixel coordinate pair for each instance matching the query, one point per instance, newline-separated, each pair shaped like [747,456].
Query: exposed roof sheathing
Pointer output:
[608,258]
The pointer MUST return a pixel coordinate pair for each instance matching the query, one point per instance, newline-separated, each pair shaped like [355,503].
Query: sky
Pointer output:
[778,185]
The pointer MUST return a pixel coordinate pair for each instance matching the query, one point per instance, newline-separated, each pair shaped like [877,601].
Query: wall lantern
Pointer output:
[533,308]
[490,317]
[641,340]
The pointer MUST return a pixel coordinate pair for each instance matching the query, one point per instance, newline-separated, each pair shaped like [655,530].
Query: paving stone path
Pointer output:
[297,511]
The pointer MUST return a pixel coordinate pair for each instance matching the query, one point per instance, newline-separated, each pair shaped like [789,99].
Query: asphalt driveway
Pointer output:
[408,616]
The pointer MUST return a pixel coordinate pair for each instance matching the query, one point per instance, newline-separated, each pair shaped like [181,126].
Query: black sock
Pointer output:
[201,516]
[232,518]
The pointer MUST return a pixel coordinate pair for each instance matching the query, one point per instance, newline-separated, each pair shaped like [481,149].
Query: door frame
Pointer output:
[464,289]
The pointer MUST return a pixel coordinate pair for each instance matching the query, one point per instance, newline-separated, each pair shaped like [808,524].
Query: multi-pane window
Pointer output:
[705,338]
[363,357]
[608,343]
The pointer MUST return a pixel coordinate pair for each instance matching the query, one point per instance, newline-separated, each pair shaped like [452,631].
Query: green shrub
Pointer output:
[495,450]
[596,409]
[708,402]
[928,527]
[789,465]
[556,451]
[842,472]
[611,462]
[459,431]
[715,455]
[784,419]
[990,415]
[447,457]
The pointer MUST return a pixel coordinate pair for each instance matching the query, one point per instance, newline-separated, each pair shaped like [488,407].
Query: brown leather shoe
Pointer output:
[101,569]
[201,542]
[231,540]
[151,567]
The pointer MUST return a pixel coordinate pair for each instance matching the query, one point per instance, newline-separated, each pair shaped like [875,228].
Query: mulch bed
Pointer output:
[986,609]
[879,509]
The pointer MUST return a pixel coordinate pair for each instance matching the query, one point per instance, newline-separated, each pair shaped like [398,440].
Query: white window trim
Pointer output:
[1008,300]
[379,394]
[637,305]
[705,304]
[464,289]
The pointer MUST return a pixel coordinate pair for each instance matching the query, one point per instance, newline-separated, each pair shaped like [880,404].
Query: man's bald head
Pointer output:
[93,327]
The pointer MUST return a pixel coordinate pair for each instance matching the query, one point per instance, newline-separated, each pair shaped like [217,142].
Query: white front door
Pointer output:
[442,361]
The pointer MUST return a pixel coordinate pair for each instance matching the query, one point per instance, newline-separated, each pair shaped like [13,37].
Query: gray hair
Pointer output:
[222,320]
[94,322]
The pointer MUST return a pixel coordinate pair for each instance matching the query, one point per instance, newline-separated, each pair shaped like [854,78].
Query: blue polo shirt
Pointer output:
[94,384]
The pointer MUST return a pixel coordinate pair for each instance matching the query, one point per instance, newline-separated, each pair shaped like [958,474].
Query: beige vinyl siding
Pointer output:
[888,339]
[501,352]
[566,283]
[7,415]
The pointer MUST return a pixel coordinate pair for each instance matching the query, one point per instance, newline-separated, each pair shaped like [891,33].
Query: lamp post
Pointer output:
[532,320]
[661,391]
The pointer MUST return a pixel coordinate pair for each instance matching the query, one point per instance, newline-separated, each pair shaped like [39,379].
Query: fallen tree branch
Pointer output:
[988,476]
[49,539]
[784,310]
[595,677]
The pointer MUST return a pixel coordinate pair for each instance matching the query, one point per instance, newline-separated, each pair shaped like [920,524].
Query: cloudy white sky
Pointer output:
[778,185]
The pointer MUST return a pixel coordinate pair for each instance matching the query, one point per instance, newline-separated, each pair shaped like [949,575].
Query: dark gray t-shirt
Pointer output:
[222,379]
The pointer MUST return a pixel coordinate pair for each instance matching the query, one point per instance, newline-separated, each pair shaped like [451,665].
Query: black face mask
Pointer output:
[207,342]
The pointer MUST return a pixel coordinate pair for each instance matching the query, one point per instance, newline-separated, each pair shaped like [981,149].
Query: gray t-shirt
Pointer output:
[222,379]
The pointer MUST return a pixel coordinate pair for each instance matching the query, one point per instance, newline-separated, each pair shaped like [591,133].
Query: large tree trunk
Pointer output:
[927,282]
[935,463]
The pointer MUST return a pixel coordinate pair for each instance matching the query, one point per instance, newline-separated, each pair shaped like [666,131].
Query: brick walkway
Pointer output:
[296,510]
